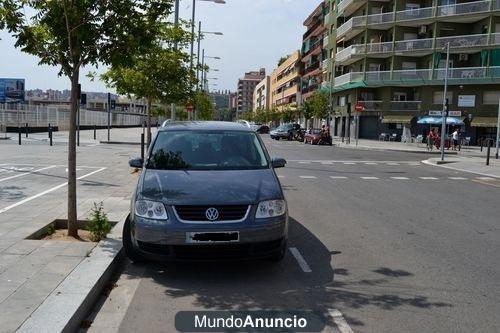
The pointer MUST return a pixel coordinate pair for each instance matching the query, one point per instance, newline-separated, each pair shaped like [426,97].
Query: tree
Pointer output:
[319,101]
[72,34]
[282,60]
[307,110]
[287,115]
[205,106]
[162,73]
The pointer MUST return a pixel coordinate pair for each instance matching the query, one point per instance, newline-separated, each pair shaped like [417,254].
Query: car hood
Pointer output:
[177,187]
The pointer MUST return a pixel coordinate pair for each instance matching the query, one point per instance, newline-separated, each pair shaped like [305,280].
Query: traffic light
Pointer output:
[113,104]
[83,99]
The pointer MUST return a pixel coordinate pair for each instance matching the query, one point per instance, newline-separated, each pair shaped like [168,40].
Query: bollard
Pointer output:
[95,129]
[19,131]
[481,140]
[488,153]
[50,135]
[48,129]
[142,146]
[26,129]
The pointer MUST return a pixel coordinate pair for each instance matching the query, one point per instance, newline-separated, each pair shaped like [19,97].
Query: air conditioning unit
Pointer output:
[463,57]
[422,30]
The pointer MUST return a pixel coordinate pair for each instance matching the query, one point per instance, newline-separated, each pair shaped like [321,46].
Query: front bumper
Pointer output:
[168,242]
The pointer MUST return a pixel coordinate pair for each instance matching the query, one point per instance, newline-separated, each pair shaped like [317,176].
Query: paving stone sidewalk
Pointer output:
[31,269]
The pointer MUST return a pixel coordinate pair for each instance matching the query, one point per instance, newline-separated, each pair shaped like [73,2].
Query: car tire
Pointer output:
[277,257]
[277,138]
[128,246]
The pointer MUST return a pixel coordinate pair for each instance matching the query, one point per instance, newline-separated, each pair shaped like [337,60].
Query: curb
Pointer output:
[447,166]
[398,150]
[120,143]
[65,308]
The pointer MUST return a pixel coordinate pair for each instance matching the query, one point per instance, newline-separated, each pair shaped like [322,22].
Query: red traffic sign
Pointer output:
[359,107]
[189,108]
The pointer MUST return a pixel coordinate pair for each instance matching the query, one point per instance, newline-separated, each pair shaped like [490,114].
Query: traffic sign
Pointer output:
[359,107]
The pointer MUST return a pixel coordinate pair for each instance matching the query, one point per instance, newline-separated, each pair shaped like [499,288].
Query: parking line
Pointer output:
[400,178]
[339,320]
[19,203]
[308,177]
[300,260]
[27,173]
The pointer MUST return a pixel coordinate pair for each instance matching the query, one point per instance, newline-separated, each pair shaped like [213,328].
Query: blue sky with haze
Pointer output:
[256,34]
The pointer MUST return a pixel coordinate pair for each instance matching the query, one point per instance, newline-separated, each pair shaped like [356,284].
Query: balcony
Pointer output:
[347,7]
[416,46]
[418,77]
[417,14]
[352,27]
[324,64]
[466,41]
[372,105]
[350,54]
[405,105]
[464,8]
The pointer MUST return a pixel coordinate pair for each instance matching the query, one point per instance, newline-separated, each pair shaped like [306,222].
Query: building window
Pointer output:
[437,97]
[491,97]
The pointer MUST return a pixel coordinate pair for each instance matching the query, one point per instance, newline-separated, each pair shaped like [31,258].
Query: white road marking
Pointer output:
[371,163]
[457,178]
[338,177]
[428,178]
[327,162]
[305,162]
[392,163]
[400,178]
[19,203]
[339,320]
[281,176]
[27,173]
[300,260]
[349,163]
[485,178]
[369,178]
[308,177]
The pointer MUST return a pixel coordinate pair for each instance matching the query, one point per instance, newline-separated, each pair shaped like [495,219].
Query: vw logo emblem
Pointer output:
[212,214]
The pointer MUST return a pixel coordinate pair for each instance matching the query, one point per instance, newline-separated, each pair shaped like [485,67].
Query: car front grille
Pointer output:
[198,213]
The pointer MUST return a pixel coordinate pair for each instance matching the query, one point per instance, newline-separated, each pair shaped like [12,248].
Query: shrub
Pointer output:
[99,225]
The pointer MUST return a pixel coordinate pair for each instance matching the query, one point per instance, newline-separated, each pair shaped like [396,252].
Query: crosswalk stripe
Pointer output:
[308,177]
[338,177]
[400,178]
[371,163]
[485,178]
[369,178]
[349,163]
[305,162]
[392,163]
[428,178]
[457,178]
[281,176]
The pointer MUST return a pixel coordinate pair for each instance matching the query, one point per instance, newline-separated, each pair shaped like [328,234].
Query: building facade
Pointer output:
[315,51]
[390,56]
[261,95]
[285,84]
[246,87]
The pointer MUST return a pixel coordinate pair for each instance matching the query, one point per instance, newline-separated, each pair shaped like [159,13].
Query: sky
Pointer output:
[256,34]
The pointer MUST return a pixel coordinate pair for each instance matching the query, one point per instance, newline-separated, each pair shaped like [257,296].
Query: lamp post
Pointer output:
[444,115]
[199,46]
[176,23]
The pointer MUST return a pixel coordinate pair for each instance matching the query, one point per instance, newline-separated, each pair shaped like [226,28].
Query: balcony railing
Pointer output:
[415,14]
[406,105]
[421,76]
[413,45]
[380,18]
[354,22]
[324,64]
[463,41]
[372,105]
[464,8]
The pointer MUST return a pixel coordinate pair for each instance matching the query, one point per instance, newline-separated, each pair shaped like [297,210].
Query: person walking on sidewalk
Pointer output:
[431,137]
[455,139]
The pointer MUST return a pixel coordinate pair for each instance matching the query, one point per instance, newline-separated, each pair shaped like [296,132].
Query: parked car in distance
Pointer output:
[207,191]
[313,136]
[259,128]
[285,131]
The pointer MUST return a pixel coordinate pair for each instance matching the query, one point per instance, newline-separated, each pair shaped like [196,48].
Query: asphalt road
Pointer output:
[394,245]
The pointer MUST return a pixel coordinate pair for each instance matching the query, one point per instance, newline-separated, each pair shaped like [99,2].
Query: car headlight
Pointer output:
[152,210]
[270,208]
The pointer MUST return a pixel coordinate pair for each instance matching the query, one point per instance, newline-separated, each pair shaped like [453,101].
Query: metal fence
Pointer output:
[42,116]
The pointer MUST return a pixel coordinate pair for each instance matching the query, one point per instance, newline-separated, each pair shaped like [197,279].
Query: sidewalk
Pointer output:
[35,273]
[474,165]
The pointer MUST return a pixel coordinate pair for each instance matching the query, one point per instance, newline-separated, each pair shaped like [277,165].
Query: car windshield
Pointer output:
[214,150]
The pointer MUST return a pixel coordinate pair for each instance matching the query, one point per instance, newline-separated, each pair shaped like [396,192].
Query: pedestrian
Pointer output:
[431,137]
[455,139]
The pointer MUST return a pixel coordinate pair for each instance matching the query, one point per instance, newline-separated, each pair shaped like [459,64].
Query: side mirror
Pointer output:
[136,163]
[278,162]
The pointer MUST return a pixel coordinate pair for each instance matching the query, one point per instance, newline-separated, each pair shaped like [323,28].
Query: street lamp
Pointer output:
[445,102]
[193,17]
[199,46]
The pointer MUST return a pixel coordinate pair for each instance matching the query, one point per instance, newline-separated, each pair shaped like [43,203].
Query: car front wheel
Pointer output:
[128,246]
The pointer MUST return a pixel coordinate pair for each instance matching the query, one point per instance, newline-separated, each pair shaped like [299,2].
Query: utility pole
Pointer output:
[176,24]
[109,116]
[445,100]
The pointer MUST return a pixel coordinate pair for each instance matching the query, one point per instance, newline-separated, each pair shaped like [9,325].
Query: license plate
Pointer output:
[213,237]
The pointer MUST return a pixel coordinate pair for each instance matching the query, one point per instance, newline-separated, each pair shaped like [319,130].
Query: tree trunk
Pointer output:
[72,210]
[150,102]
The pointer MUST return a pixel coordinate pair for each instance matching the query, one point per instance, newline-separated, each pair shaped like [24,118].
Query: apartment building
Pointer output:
[285,83]
[315,51]
[246,87]
[390,56]
[261,95]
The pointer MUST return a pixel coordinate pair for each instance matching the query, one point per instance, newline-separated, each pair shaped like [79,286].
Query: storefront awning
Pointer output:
[484,122]
[393,119]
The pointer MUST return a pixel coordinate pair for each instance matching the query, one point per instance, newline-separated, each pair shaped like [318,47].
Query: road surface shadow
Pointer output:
[274,286]
[12,193]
